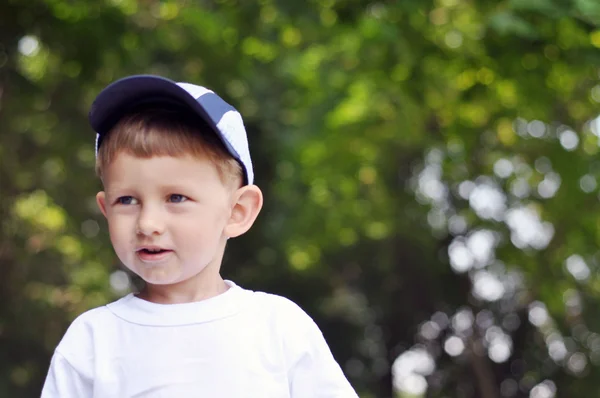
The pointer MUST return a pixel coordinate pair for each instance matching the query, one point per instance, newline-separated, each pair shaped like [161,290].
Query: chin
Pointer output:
[159,276]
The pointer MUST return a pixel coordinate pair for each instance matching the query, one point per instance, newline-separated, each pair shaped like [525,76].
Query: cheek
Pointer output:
[118,230]
[201,230]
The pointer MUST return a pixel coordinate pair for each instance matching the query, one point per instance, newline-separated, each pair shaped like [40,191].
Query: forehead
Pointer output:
[127,168]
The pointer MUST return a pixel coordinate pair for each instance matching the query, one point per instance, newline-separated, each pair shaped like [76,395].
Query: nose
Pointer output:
[150,221]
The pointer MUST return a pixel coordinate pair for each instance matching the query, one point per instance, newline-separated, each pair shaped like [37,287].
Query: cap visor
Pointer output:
[117,98]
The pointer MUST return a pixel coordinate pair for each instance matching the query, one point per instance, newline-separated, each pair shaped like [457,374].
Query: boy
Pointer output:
[178,182]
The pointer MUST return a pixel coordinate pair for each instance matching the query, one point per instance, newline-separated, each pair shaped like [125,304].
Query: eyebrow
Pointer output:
[130,190]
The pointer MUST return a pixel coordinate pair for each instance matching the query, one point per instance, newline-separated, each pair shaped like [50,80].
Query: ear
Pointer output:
[247,202]
[101,200]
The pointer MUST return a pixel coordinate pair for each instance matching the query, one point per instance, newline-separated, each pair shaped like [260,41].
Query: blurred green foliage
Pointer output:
[430,171]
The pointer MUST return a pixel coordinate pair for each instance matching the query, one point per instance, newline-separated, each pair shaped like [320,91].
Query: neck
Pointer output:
[184,292]
[204,285]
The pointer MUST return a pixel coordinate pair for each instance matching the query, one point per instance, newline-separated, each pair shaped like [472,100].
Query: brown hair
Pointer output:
[153,131]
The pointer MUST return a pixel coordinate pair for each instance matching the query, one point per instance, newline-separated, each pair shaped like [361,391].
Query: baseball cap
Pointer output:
[124,94]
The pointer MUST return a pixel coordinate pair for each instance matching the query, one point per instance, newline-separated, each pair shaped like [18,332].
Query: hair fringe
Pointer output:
[153,132]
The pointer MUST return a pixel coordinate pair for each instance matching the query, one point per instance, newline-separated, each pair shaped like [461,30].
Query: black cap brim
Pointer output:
[124,94]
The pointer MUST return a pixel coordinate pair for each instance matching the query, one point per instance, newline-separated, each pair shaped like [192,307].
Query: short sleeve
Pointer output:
[312,369]
[64,381]
[71,368]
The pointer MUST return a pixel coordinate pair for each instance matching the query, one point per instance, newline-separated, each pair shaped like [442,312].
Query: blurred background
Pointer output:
[430,170]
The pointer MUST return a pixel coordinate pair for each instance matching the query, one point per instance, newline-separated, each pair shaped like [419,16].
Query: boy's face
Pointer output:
[166,215]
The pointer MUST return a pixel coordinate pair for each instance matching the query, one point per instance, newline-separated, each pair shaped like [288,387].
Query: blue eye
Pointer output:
[126,200]
[177,198]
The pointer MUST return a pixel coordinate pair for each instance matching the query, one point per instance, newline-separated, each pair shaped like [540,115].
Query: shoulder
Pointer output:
[95,318]
[81,334]
[86,323]
[312,369]
[275,301]
[296,329]
[281,308]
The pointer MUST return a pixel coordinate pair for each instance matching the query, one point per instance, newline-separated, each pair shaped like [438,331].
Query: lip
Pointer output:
[150,247]
[152,257]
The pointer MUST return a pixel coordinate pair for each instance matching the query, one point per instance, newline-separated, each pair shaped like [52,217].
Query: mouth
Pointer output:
[152,253]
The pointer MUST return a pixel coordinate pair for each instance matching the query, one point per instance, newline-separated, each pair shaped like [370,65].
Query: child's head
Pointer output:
[177,176]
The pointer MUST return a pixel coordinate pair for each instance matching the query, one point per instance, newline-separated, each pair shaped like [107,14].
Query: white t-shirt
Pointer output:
[238,344]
